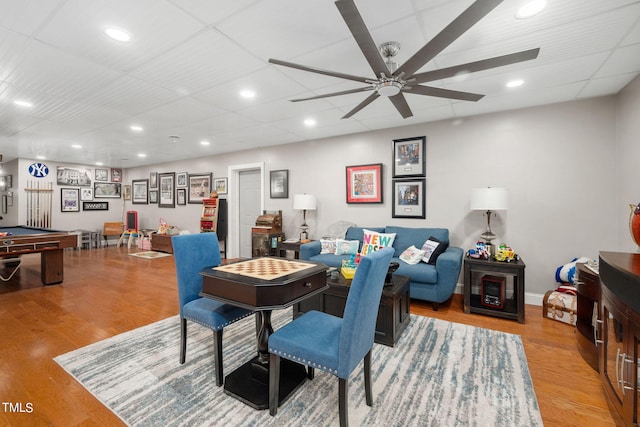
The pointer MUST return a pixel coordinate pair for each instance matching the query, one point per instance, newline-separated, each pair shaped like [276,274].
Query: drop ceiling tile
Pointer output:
[623,60]
[28,16]
[132,96]
[49,71]
[197,64]
[606,85]
[213,12]
[178,113]
[12,47]
[268,83]
[155,27]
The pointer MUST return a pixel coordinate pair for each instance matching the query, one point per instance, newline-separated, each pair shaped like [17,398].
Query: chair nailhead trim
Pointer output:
[218,327]
[303,361]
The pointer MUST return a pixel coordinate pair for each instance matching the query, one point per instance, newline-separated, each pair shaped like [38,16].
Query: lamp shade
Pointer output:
[489,199]
[304,202]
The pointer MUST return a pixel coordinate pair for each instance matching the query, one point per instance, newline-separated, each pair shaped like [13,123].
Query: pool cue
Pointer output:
[29,203]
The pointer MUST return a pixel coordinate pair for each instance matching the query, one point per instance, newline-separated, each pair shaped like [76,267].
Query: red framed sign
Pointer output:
[364,183]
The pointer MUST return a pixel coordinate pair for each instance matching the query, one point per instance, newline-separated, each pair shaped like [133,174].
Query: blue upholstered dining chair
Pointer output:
[192,253]
[332,344]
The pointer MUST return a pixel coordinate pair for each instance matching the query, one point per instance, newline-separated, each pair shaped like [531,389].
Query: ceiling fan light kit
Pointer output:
[391,81]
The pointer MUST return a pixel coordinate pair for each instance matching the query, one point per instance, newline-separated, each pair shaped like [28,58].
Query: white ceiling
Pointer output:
[188,59]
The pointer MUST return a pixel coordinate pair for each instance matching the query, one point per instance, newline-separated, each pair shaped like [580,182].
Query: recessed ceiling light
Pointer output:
[117,34]
[40,157]
[99,163]
[136,128]
[247,94]
[76,146]
[310,122]
[515,83]
[23,103]
[205,143]
[530,9]
[142,155]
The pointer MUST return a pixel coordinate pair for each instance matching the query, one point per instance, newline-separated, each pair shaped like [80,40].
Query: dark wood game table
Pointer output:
[22,240]
[250,382]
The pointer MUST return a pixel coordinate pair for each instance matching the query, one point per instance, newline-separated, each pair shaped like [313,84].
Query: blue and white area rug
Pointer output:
[439,374]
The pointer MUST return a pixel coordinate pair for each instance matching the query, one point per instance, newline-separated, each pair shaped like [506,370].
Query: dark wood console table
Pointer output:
[620,327]
[588,312]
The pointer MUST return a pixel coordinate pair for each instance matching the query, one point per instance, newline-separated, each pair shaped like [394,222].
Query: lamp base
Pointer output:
[490,248]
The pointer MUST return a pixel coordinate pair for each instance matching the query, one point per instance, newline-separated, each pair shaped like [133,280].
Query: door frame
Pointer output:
[233,201]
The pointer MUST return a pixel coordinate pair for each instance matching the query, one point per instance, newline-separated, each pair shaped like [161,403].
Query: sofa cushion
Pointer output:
[406,236]
[357,233]
[347,247]
[421,272]
[432,249]
[328,246]
[412,255]
[374,240]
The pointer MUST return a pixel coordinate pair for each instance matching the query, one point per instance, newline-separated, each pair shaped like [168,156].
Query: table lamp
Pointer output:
[489,199]
[304,203]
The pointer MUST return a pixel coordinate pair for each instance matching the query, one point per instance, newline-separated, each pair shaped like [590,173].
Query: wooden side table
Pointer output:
[512,304]
[283,247]
[162,243]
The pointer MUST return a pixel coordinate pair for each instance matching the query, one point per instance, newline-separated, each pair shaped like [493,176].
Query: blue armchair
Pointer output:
[193,253]
[332,344]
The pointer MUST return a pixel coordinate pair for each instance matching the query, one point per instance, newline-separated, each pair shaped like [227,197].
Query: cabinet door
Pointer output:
[614,355]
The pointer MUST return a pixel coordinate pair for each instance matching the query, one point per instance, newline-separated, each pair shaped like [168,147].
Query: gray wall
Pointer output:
[571,170]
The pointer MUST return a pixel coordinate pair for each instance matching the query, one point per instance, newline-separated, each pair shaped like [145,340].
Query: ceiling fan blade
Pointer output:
[327,95]
[472,67]
[361,34]
[363,104]
[401,105]
[444,93]
[455,29]
[320,71]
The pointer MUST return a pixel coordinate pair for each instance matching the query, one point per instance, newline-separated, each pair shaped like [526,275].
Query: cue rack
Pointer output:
[39,200]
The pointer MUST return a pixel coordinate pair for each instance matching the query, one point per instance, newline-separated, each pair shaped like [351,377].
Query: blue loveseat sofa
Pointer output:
[433,283]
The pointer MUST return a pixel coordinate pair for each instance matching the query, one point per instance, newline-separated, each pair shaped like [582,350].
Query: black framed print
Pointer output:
[95,206]
[140,191]
[86,194]
[409,157]
[107,190]
[102,174]
[70,199]
[167,184]
[153,180]
[181,196]
[279,183]
[181,180]
[153,197]
[409,198]
[199,187]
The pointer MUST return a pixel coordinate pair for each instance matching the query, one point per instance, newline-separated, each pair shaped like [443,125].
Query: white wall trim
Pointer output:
[233,202]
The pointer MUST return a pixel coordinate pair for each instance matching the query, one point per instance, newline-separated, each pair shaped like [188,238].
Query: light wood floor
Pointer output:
[106,292]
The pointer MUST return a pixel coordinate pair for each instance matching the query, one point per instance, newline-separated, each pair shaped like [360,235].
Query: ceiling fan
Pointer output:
[392,81]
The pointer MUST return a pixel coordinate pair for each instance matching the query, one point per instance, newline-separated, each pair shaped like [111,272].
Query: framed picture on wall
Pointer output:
[364,183]
[167,184]
[181,180]
[199,187]
[70,199]
[153,180]
[140,191]
[279,183]
[220,185]
[102,175]
[153,197]
[86,194]
[106,189]
[116,175]
[181,196]
[409,157]
[409,198]
[126,192]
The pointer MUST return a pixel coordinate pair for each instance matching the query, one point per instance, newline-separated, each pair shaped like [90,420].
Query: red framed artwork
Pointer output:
[364,183]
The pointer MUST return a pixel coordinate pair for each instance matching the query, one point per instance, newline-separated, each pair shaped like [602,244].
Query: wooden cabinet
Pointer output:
[162,243]
[589,314]
[619,351]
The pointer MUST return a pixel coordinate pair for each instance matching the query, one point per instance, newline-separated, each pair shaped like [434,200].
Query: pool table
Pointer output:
[22,240]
